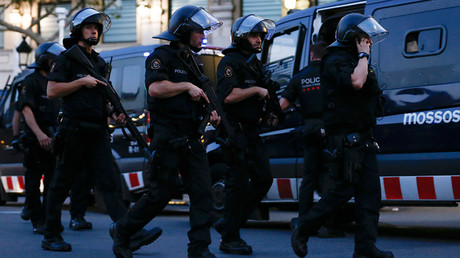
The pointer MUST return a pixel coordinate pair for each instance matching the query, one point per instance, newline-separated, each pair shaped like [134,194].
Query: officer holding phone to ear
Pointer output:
[351,97]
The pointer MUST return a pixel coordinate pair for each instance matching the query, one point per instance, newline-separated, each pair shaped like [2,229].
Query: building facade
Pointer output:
[134,22]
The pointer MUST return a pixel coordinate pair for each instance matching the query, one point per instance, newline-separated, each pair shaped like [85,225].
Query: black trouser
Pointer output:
[38,163]
[80,193]
[83,148]
[366,190]
[247,183]
[313,164]
[192,163]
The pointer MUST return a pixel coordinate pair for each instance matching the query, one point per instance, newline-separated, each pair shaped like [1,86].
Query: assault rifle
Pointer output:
[207,87]
[76,54]
[272,105]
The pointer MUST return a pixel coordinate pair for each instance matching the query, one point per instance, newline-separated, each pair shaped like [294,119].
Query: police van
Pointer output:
[127,76]
[417,67]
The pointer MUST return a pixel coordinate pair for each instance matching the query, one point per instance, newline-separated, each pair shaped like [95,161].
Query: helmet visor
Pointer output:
[55,49]
[90,15]
[246,27]
[372,28]
[206,21]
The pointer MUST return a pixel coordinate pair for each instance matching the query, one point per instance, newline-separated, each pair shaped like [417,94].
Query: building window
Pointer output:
[123,16]
[2,34]
[176,4]
[263,8]
[49,25]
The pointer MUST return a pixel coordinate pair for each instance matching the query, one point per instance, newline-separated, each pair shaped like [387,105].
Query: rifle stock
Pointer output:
[272,105]
[76,54]
[207,87]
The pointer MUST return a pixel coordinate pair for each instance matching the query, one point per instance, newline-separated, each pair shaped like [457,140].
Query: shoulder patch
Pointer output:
[52,67]
[228,71]
[156,63]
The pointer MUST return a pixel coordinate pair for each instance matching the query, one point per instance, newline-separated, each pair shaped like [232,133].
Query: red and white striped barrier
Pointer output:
[16,184]
[134,180]
[405,188]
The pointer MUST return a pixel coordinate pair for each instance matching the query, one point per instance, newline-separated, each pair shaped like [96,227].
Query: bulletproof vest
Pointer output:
[45,110]
[343,105]
[86,104]
[248,110]
[177,114]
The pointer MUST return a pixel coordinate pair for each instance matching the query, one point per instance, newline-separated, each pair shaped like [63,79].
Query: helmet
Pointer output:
[187,19]
[87,15]
[45,55]
[248,24]
[354,26]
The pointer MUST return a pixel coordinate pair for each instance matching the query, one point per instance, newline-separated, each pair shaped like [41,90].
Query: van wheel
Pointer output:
[218,186]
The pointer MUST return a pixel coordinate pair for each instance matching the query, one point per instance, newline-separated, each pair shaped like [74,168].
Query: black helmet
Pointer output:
[187,19]
[45,54]
[354,25]
[248,24]
[87,15]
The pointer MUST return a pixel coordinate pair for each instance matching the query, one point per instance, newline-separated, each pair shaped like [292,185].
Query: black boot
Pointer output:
[299,243]
[25,214]
[140,238]
[235,247]
[56,244]
[120,243]
[372,252]
[78,224]
[205,254]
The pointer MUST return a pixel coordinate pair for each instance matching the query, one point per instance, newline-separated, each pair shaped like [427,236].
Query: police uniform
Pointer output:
[249,177]
[305,87]
[37,161]
[82,142]
[175,121]
[349,116]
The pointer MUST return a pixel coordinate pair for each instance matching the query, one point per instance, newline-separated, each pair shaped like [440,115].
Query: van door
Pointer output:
[283,142]
[417,67]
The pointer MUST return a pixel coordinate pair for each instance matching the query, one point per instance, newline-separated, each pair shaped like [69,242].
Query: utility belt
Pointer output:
[84,125]
[175,143]
[344,154]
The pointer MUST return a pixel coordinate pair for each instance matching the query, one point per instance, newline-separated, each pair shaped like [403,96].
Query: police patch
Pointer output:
[228,71]
[156,63]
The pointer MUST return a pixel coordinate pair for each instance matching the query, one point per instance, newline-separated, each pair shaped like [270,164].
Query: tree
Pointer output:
[30,31]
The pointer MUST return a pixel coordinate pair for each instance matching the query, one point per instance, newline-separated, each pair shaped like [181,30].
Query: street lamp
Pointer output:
[23,50]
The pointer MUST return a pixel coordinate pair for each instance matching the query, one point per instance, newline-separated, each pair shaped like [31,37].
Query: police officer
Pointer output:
[82,141]
[176,105]
[40,115]
[350,104]
[242,92]
[305,87]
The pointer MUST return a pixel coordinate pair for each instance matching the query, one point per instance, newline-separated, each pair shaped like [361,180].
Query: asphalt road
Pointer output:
[407,231]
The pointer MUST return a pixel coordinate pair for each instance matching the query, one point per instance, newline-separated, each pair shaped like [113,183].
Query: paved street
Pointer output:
[408,232]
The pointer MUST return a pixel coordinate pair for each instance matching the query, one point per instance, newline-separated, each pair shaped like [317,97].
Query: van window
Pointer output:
[131,85]
[127,77]
[281,56]
[424,42]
